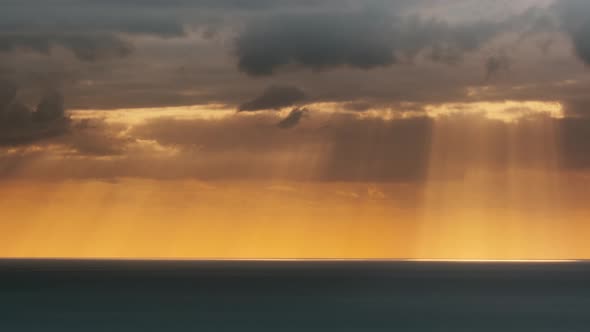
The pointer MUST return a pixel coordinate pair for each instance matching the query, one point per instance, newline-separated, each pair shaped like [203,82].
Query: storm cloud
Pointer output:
[364,39]
[167,53]
[292,119]
[84,47]
[575,18]
[318,41]
[274,97]
[261,56]
[21,125]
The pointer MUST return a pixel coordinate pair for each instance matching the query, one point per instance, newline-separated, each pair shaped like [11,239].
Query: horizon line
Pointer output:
[294,260]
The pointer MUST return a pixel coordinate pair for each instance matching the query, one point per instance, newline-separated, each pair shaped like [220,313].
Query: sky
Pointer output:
[402,129]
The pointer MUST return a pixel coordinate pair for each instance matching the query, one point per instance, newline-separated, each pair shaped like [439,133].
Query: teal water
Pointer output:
[293,296]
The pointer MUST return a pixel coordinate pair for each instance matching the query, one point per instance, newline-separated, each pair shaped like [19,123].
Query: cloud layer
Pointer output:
[274,97]
[21,125]
[281,64]
[116,54]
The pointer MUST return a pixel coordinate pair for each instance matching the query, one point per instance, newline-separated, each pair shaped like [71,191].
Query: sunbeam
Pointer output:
[493,188]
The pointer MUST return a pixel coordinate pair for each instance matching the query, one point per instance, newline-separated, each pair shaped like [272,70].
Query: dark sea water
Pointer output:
[293,296]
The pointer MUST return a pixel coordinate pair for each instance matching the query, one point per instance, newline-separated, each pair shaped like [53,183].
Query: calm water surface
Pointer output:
[293,296]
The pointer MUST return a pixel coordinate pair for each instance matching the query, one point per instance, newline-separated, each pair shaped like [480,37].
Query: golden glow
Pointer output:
[138,115]
[196,220]
[490,196]
[475,206]
[508,261]
[506,111]
[186,219]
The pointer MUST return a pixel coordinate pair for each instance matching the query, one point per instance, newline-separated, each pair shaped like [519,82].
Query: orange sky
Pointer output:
[472,203]
[189,219]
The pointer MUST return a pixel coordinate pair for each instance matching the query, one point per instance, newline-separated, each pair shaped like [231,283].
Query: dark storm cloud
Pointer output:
[84,47]
[203,4]
[317,41]
[30,16]
[364,39]
[150,17]
[292,119]
[21,125]
[186,52]
[91,30]
[255,4]
[575,16]
[274,97]
[211,39]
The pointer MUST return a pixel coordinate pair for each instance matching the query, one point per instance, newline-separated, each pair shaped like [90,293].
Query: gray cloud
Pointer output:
[292,119]
[66,16]
[7,93]
[251,147]
[274,97]
[176,63]
[318,41]
[191,68]
[91,30]
[364,39]
[583,44]
[496,64]
[577,107]
[336,147]
[94,137]
[21,125]
[575,17]
[86,47]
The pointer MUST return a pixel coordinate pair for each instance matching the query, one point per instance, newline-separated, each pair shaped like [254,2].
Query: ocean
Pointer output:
[216,296]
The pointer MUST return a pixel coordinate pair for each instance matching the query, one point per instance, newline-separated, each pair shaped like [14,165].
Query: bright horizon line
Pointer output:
[326,260]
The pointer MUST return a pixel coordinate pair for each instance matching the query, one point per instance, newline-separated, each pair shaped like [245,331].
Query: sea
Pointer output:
[293,295]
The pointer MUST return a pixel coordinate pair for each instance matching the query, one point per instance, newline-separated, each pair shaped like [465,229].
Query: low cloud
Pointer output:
[575,17]
[327,147]
[96,138]
[292,119]
[21,125]
[86,47]
[274,97]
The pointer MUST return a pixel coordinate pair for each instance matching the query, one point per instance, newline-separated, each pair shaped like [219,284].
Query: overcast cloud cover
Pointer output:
[275,63]
[157,53]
